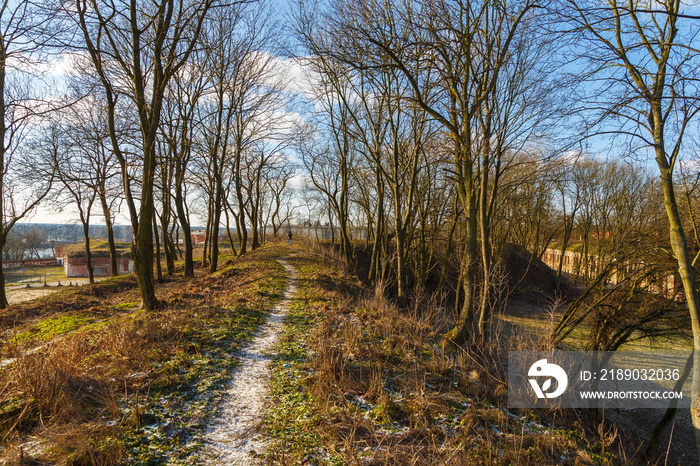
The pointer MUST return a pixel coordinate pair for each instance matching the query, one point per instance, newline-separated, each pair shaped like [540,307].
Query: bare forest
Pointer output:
[493,176]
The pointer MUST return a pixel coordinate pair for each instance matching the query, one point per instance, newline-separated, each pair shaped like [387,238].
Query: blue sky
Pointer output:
[598,146]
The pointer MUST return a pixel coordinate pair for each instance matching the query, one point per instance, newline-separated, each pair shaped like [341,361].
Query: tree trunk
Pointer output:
[184,224]
[3,295]
[144,274]
[207,233]
[170,250]
[168,246]
[400,259]
[237,222]
[216,220]
[374,272]
[670,412]
[486,285]
[228,232]
[460,333]
[255,241]
[166,183]
[242,230]
[142,249]
[679,245]
[88,253]
[177,243]
[159,269]
[110,232]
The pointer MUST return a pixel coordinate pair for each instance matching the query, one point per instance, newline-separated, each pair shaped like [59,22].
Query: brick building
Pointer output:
[75,263]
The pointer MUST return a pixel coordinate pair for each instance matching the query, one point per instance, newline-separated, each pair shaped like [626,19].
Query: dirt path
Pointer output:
[19,293]
[234,433]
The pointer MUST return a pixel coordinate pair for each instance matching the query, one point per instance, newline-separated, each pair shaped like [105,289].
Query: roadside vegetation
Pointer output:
[88,377]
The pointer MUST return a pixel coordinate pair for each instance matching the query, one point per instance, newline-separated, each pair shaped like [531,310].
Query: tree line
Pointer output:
[165,109]
[450,129]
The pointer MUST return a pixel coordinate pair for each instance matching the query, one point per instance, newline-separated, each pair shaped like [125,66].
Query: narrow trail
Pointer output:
[235,431]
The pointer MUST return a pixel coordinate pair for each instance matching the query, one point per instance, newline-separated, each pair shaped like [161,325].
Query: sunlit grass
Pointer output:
[148,380]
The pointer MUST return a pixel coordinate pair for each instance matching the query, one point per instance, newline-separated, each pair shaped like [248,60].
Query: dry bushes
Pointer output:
[59,389]
[386,391]
[58,395]
[69,389]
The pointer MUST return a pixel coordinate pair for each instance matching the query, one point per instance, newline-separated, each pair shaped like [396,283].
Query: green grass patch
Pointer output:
[127,305]
[48,329]
[291,418]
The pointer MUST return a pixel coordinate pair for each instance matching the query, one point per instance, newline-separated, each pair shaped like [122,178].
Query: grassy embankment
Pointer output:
[88,378]
[359,382]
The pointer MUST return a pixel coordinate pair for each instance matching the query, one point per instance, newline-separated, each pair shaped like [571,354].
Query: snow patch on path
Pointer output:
[234,434]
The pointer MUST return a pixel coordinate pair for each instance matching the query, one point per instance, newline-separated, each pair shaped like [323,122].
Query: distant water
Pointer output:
[44,253]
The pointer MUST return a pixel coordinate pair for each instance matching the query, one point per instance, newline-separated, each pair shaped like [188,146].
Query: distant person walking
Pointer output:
[289,237]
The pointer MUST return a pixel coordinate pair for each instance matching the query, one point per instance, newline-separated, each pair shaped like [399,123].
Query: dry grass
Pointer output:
[68,391]
[382,388]
[83,396]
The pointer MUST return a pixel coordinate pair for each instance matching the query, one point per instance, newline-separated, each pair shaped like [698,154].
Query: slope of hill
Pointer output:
[358,381]
[531,280]
[88,378]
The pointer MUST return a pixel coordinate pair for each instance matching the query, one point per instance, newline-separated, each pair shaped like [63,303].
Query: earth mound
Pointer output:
[531,280]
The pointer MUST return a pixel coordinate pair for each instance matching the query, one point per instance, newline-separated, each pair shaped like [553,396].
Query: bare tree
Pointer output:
[464,64]
[77,183]
[135,49]
[526,205]
[33,239]
[15,248]
[241,123]
[281,207]
[186,88]
[85,133]
[648,62]
[21,189]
